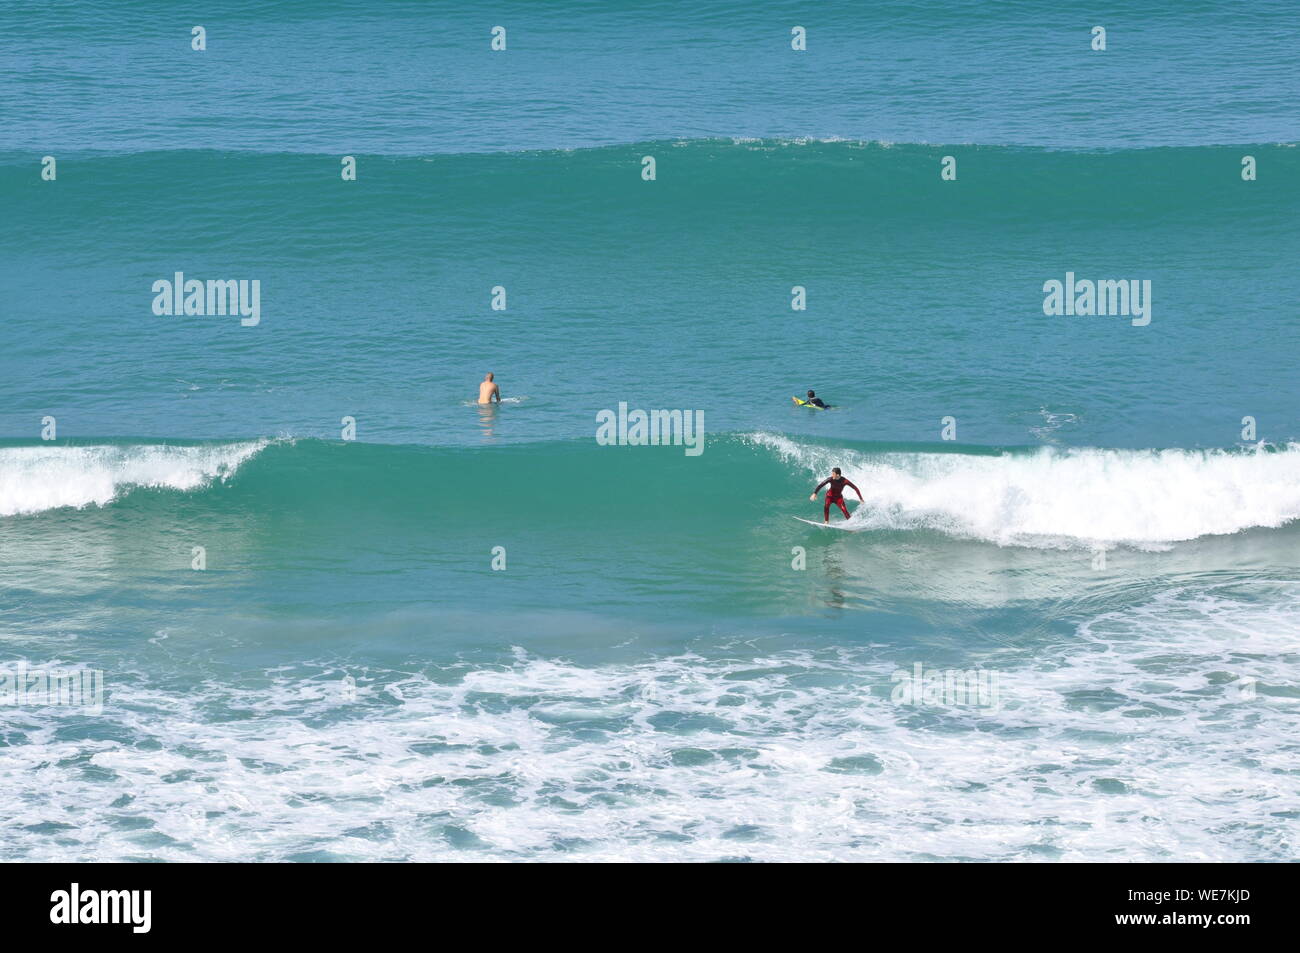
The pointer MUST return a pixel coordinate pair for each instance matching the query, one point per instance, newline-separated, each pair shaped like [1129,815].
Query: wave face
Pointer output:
[1046,497]
[833,181]
[924,296]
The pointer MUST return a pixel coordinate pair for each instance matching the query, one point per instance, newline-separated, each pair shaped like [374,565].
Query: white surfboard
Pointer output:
[820,524]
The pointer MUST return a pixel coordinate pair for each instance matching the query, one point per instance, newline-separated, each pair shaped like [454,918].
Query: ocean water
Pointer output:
[1101,568]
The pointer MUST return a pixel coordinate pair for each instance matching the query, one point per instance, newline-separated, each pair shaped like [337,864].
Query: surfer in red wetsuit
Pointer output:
[835,494]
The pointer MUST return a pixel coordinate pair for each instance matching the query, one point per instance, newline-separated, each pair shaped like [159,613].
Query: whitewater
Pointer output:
[1065,496]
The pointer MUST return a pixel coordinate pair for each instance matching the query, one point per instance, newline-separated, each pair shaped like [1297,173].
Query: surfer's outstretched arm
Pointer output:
[855,490]
[819,488]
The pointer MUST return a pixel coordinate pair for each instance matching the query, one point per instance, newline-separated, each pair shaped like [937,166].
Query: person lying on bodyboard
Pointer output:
[812,401]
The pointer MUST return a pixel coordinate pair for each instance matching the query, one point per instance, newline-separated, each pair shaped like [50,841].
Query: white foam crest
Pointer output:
[38,478]
[1056,497]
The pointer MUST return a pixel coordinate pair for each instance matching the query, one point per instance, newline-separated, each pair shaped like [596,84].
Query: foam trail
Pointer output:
[1061,498]
[35,479]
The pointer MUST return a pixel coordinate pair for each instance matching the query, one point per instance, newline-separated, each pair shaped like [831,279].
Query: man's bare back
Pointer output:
[488,390]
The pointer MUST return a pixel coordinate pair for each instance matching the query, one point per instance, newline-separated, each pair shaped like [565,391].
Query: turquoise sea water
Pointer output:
[668,666]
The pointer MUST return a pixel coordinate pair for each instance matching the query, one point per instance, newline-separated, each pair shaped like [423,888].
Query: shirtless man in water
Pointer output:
[488,390]
[835,493]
